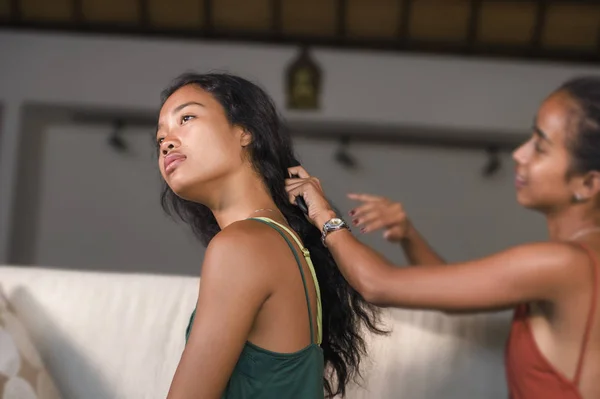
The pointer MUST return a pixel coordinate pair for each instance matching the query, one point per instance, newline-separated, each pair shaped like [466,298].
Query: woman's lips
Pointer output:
[172,160]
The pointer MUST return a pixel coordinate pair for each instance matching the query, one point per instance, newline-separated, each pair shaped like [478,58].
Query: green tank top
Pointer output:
[263,374]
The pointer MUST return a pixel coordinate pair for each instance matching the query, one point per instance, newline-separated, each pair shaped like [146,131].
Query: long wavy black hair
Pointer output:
[271,152]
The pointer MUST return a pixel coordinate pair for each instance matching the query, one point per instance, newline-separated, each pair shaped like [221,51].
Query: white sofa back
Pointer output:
[112,336]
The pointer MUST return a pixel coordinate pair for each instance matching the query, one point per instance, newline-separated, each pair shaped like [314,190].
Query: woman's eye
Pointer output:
[186,118]
[538,147]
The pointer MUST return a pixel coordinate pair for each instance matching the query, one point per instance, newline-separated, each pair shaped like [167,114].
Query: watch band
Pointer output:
[333,224]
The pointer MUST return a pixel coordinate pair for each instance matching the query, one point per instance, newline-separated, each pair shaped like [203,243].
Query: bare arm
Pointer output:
[533,272]
[232,290]
[418,251]
[375,213]
[540,271]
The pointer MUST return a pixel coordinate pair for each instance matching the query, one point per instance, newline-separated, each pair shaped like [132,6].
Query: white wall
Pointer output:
[358,86]
[463,214]
[99,209]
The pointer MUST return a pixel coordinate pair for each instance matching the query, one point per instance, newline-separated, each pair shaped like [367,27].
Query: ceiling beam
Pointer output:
[208,18]
[540,24]
[16,13]
[341,19]
[144,13]
[276,18]
[473,28]
[405,11]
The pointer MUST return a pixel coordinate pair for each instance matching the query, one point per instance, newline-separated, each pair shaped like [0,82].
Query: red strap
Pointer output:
[590,319]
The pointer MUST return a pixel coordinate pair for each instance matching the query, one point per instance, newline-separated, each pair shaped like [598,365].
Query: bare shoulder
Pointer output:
[562,261]
[554,253]
[241,249]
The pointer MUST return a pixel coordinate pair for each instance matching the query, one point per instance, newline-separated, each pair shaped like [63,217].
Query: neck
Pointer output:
[239,198]
[563,226]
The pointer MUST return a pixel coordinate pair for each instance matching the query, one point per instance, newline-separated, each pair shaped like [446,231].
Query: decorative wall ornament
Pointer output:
[303,82]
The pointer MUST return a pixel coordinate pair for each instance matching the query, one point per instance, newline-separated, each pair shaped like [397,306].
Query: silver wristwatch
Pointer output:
[333,224]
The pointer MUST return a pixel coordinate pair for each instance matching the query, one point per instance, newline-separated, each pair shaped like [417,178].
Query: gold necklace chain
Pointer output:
[583,232]
[264,209]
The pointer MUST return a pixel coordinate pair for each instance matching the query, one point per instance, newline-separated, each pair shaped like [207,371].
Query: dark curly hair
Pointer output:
[584,139]
[271,152]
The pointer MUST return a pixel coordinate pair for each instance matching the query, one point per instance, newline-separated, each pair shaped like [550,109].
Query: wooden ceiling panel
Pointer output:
[44,10]
[507,22]
[572,26]
[309,17]
[4,9]
[373,19]
[560,30]
[176,14]
[440,20]
[242,15]
[111,11]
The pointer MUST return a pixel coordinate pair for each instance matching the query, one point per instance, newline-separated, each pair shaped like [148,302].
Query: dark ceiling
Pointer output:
[558,30]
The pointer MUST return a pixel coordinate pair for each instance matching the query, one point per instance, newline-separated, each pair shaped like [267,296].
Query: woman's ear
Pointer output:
[245,137]
[591,184]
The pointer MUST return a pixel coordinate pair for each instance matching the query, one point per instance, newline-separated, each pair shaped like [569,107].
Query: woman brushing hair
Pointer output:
[554,346]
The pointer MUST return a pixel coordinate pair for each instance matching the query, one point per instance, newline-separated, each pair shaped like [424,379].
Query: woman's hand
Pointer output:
[380,213]
[309,188]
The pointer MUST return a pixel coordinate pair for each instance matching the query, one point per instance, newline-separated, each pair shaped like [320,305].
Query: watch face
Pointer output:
[335,222]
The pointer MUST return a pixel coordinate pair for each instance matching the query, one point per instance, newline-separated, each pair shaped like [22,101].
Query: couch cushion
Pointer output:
[22,372]
[104,335]
[113,336]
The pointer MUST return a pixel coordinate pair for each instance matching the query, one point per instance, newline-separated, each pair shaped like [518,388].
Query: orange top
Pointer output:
[529,374]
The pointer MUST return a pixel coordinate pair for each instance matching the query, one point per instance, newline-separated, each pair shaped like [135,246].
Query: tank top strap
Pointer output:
[592,312]
[282,230]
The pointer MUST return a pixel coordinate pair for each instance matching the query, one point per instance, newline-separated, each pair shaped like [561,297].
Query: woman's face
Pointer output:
[543,162]
[198,147]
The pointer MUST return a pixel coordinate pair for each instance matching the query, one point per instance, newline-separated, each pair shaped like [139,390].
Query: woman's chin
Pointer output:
[180,188]
[529,203]
[524,201]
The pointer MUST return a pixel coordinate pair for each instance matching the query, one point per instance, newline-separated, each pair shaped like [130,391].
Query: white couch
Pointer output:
[113,336]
